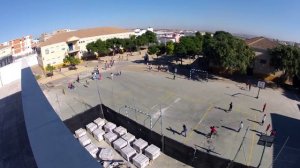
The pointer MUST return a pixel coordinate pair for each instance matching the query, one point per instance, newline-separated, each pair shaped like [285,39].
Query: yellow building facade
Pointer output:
[53,50]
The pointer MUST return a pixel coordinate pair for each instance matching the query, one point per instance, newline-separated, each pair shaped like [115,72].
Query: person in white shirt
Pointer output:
[263,119]
[241,126]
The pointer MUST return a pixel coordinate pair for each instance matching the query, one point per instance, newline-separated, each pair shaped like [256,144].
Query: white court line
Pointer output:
[154,106]
[156,114]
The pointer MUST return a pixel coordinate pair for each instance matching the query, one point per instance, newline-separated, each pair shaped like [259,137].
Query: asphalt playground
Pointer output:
[197,104]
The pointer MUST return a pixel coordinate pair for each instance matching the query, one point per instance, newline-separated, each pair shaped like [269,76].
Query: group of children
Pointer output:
[109,64]
[213,129]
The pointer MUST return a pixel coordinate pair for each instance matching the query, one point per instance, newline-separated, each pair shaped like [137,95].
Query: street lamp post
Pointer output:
[161,130]
[101,109]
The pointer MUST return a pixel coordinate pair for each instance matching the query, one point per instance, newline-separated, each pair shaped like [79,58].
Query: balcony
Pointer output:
[73,49]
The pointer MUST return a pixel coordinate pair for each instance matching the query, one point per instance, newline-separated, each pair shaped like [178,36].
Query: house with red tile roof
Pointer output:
[53,50]
[262,63]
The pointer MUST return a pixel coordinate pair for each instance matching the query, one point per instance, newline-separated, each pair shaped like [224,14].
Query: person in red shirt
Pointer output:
[213,131]
[273,132]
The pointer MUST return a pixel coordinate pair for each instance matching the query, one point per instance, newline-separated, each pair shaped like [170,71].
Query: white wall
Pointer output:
[12,72]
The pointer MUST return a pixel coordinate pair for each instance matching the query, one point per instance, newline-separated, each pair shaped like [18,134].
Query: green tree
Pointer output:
[227,51]
[180,51]
[115,43]
[198,39]
[170,48]
[153,49]
[141,40]
[189,44]
[50,68]
[151,37]
[207,44]
[71,60]
[91,47]
[198,34]
[161,49]
[102,49]
[287,59]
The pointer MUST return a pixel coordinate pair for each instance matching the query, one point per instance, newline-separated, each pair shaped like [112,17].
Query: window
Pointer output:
[263,61]
[47,51]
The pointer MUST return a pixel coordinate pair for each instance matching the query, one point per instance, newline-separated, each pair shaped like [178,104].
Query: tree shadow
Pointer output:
[220,108]
[173,131]
[139,61]
[207,150]
[173,63]
[201,133]
[231,129]
[291,93]
[255,109]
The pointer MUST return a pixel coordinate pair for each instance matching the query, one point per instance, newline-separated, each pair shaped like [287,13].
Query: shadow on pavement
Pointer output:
[173,131]
[182,70]
[290,92]
[235,94]
[208,150]
[220,108]
[231,129]
[258,133]
[201,133]
[257,122]
[255,109]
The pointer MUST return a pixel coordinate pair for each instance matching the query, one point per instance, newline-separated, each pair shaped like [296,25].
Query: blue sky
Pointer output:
[272,18]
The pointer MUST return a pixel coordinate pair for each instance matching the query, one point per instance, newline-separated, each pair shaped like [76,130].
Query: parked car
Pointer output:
[72,67]
[49,74]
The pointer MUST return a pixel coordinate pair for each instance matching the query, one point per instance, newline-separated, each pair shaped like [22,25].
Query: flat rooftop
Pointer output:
[14,144]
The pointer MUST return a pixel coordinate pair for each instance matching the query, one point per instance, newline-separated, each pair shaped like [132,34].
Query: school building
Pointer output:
[73,43]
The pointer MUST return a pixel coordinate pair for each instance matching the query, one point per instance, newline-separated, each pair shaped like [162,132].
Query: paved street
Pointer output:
[197,104]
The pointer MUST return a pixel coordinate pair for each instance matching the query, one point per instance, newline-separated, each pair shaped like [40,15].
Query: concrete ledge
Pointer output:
[52,144]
